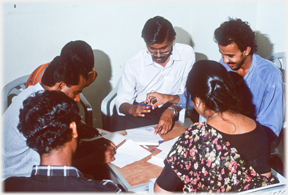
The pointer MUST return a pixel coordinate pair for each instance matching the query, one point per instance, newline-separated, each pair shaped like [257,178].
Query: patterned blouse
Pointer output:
[204,161]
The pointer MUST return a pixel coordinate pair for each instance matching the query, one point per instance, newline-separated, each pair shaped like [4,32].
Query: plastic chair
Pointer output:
[277,149]
[278,188]
[16,86]
[108,104]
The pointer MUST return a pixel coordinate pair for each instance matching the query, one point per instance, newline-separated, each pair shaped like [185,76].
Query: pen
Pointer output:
[153,149]
[156,146]
[145,105]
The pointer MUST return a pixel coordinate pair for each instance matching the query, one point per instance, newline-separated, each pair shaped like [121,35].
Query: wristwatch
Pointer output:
[174,110]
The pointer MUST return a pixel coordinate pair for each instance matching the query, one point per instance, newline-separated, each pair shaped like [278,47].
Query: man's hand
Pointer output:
[155,99]
[99,151]
[110,153]
[165,122]
[135,110]
[138,110]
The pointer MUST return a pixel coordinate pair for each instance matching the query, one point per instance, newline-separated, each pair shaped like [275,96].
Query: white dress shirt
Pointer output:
[141,75]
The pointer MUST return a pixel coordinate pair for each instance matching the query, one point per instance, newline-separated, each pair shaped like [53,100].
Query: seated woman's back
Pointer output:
[247,136]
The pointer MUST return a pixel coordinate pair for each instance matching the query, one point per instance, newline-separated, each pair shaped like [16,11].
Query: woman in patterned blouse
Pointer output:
[228,153]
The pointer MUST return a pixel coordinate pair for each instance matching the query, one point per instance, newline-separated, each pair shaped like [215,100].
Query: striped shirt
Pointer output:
[68,171]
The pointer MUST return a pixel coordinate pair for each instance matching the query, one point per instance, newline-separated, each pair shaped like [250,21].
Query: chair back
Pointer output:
[12,89]
[16,86]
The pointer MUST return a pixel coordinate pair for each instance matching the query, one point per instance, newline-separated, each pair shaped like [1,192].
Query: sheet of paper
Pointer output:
[116,138]
[158,159]
[143,136]
[128,153]
[167,145]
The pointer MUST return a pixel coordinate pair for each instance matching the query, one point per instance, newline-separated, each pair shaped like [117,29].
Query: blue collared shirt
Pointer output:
[265,82]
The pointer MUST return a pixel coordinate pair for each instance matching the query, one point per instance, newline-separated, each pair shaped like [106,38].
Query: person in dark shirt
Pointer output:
[228,153]
[49,120]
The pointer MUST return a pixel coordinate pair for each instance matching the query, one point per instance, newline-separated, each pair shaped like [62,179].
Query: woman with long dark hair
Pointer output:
[229,152]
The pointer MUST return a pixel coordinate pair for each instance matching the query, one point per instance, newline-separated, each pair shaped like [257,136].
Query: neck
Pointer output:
[211,116]
[46,87]
[245,66]
[57,157]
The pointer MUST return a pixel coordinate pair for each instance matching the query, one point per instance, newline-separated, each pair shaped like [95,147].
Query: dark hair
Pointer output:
[210,81]
[157,29]
[64,69]
[237,31]
[45,120]
[80,50]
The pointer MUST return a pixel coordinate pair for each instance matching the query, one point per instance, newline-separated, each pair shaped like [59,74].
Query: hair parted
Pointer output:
[157,29]
[210,81]
[237,31]
[45,120]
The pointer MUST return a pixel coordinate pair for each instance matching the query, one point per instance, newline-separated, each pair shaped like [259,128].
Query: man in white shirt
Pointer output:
[162,67]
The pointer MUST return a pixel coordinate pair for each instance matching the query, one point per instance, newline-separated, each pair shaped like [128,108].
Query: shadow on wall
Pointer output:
[265,47]
[98,90]
[184,37]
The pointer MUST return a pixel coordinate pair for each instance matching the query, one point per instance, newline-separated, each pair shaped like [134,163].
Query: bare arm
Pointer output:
[158,189]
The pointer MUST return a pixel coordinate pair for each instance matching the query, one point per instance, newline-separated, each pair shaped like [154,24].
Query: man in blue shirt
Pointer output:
[259,82]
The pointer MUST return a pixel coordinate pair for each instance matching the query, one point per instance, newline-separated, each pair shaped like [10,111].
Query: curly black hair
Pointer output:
[45,120]
[237,31]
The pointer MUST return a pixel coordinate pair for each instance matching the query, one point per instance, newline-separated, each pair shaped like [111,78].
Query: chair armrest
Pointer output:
[107,105]
[182,115]
[87,109]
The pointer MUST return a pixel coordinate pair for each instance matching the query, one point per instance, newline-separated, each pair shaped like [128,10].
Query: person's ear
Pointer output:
[247,51]
[61,85]
[173,40]
[197,101]
[74,129]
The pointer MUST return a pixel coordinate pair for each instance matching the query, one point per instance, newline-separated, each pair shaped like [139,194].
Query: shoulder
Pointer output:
[265,68]
[140,55]
[184,47]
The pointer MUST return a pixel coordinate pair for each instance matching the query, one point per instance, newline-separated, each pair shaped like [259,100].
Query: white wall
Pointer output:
[33,33]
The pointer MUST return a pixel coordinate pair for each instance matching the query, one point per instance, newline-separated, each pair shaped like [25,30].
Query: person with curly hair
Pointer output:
[260,82]
[49,120]
[228,153]
[65,73]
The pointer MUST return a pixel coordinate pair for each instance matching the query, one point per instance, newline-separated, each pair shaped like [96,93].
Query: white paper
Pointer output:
[158,159]
[143,136]
[116,138]
[128,153]
[167,145]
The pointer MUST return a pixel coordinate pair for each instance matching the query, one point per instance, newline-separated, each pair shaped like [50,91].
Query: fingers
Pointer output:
[141,110]
[109,154]
[157,129]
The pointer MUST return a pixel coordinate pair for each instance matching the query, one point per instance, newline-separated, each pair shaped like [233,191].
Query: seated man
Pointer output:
[162,67]
[49,121]
[65,74]
[82,49]
[236,42]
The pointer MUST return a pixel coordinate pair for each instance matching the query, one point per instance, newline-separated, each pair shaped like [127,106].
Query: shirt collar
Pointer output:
[62,171]
[252,67]
[174,56]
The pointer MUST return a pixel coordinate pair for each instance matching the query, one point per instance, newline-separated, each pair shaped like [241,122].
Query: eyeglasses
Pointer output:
[153,53]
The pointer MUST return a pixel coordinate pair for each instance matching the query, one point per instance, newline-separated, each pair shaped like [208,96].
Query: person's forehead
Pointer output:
[229,48]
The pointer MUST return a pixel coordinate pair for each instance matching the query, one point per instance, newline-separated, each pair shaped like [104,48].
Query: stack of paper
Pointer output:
[128,153]
[144,136]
